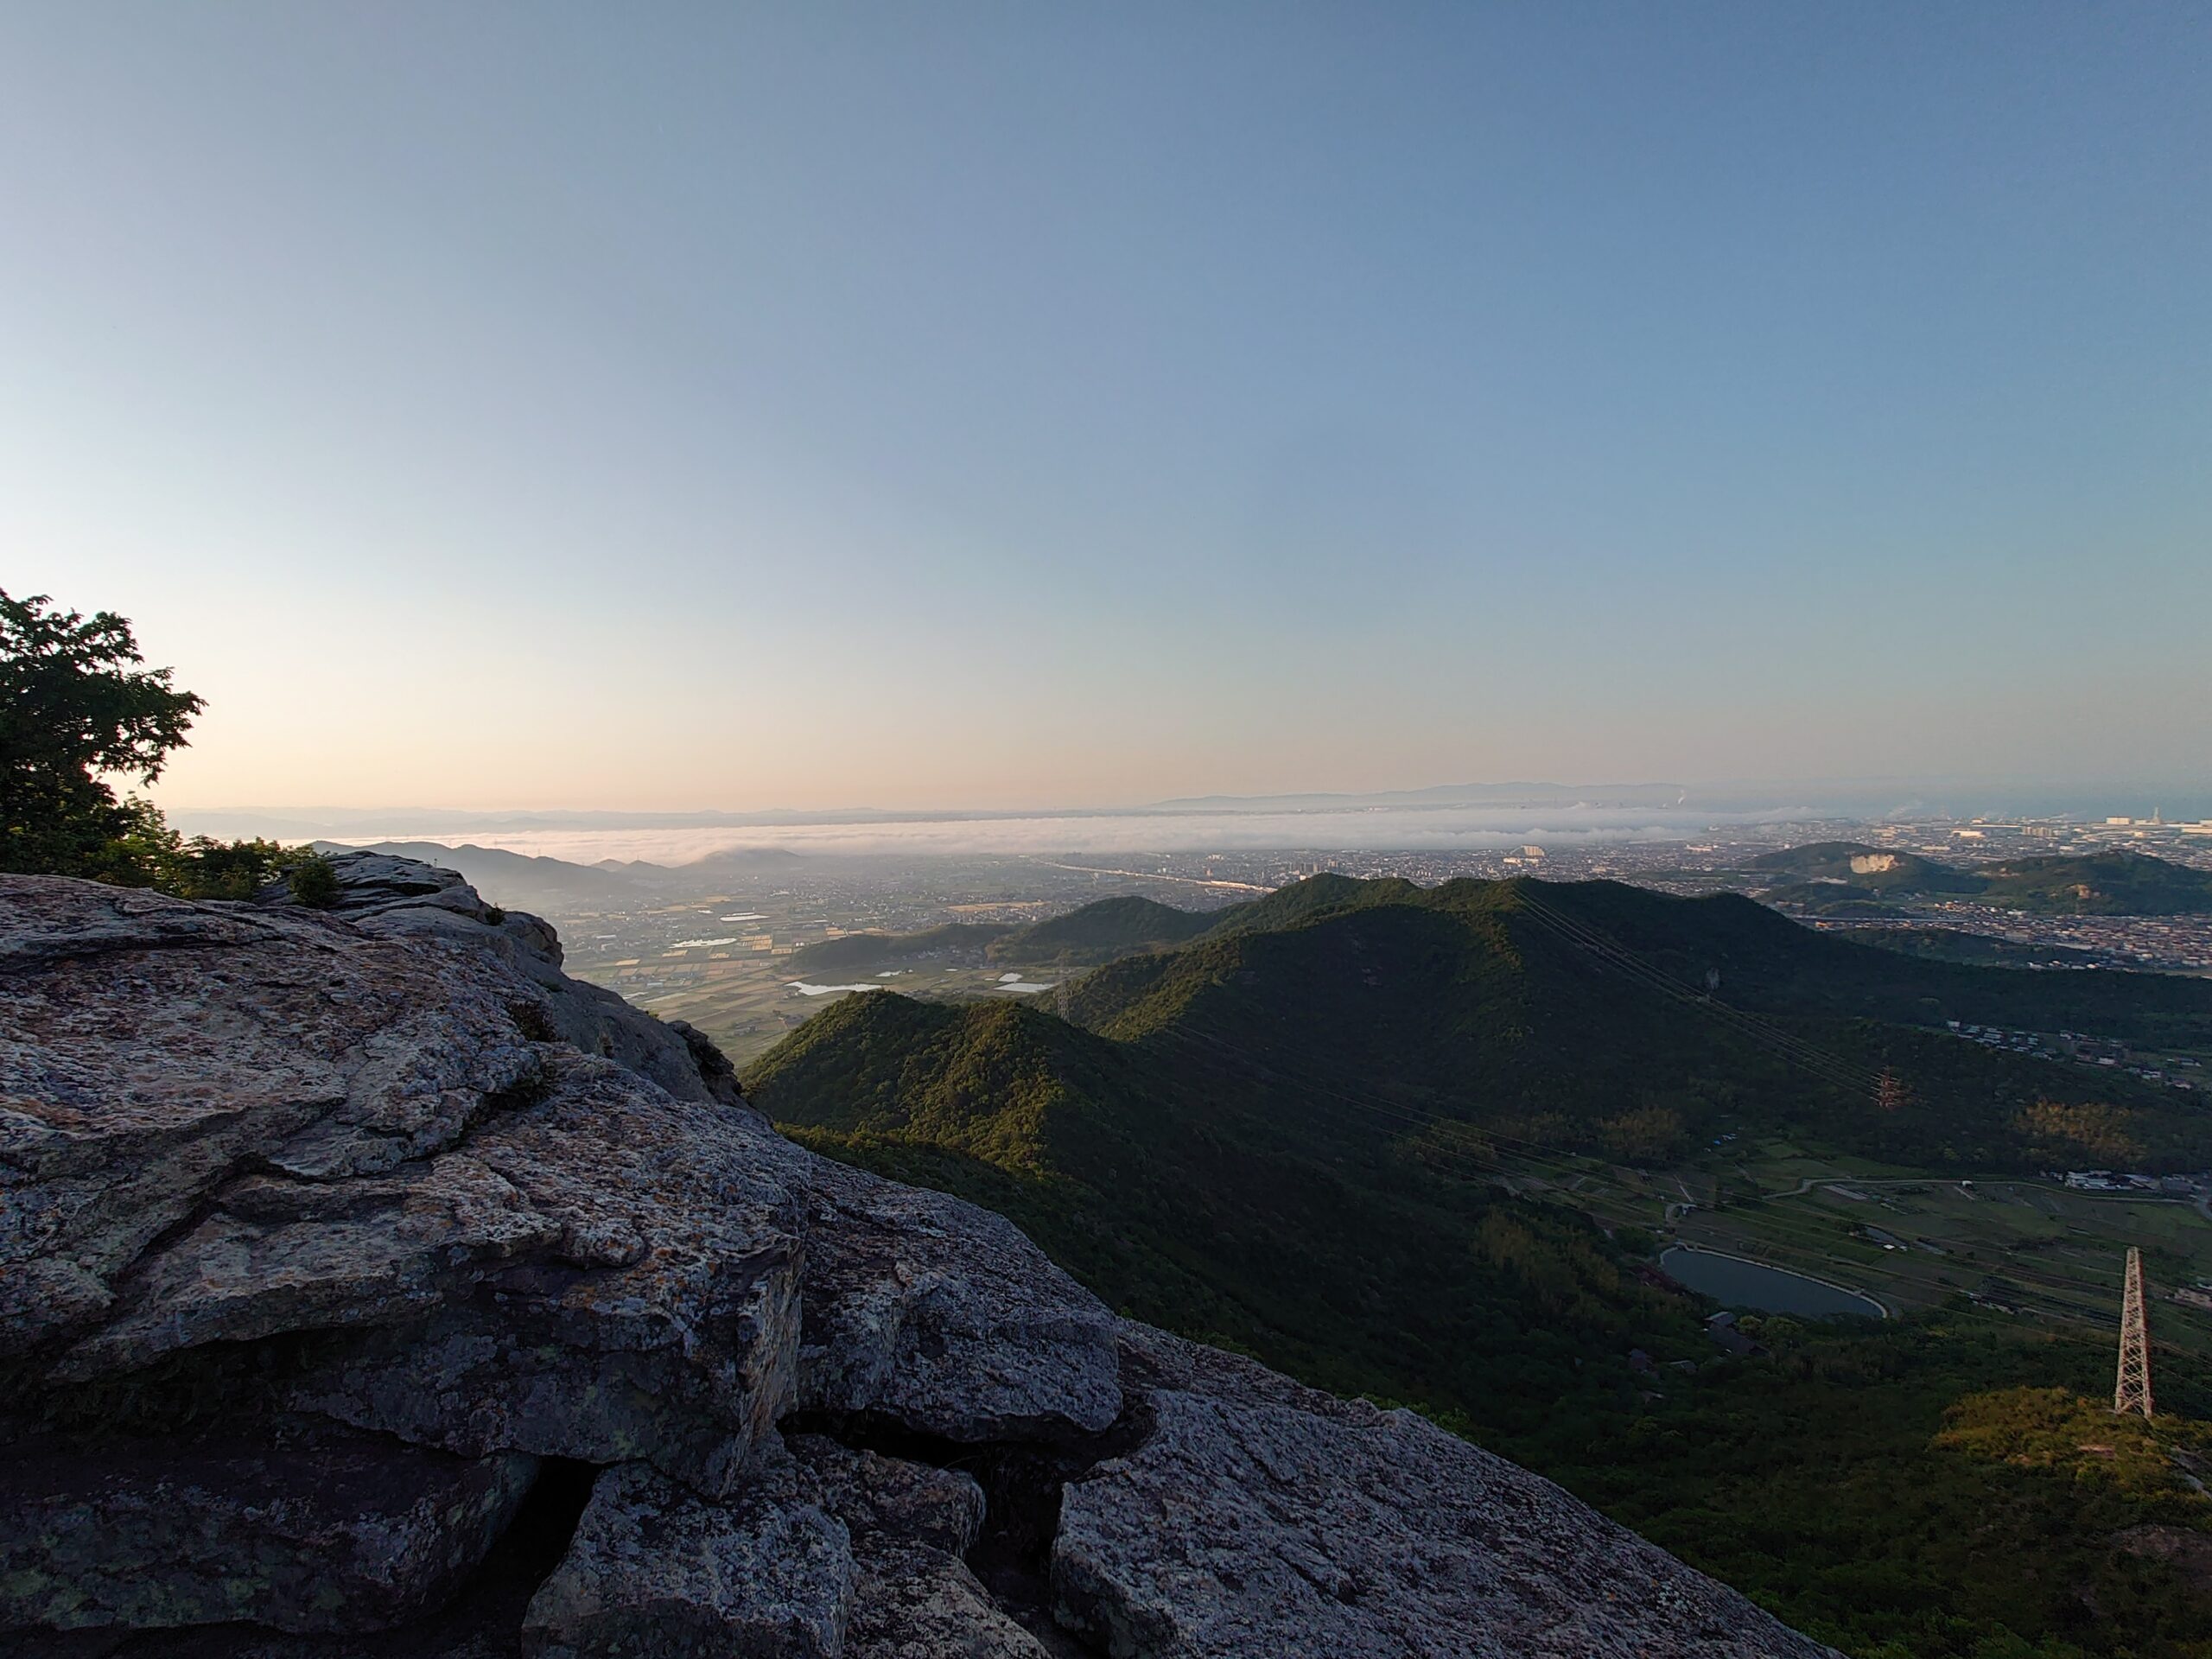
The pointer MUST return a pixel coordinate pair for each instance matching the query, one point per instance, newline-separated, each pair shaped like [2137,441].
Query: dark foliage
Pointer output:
[75,709]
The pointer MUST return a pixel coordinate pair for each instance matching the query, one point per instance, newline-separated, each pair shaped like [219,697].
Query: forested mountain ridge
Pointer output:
[1127,923]
[1553,1010]
[1316,1086]
[1219,1129]
[1766,962]
[1299,1133]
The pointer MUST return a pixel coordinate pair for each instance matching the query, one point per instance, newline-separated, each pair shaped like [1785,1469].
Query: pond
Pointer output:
[1734,1282]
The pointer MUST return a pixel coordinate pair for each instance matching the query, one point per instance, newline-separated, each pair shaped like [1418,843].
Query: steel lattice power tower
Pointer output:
[2132,1391]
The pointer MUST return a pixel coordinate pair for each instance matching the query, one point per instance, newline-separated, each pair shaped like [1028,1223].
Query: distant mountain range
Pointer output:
[1848,878]
[301,823]
[517,880]
[1801,800]
[1441,795]
[522,881]
[1834,879]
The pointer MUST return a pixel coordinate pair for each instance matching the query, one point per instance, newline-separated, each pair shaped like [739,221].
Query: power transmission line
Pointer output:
[2132,1390]
[1831,1067]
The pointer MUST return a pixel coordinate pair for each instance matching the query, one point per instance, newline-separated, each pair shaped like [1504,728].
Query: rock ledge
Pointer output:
[369,1287]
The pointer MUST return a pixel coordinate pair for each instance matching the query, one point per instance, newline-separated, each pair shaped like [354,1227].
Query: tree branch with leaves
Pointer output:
[76,708]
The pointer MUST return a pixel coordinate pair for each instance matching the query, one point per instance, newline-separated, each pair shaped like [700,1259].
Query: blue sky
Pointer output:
[718,406]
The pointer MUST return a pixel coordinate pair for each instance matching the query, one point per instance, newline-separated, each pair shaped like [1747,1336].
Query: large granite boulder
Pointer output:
[657,1571]
[1258,1518]
[365,1281]
[826,1551]
[658,1318]
[945,1318]
[912,1525]
[152,1051]
[914,1601]
[401,897]
[334,1532]
[287,1123]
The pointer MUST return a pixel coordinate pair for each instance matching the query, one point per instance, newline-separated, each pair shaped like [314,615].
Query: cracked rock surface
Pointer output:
[337,1533]
[369,1289]
[930,1311]
[658,1571]
[1258,1517]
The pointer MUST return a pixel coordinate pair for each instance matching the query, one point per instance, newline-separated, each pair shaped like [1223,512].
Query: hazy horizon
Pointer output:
[1438,817]
[976,404]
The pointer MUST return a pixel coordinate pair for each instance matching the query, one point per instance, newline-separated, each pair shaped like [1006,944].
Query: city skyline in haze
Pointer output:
[738,407]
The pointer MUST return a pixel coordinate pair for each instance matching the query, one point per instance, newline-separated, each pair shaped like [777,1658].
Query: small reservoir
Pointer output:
[1736,1283]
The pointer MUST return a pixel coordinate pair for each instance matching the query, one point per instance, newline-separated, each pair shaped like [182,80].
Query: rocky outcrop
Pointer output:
[911,1525]
[368,1288]
[331,1533]
[400,898]
[1258,1518]
[932,1312]
[657,1571]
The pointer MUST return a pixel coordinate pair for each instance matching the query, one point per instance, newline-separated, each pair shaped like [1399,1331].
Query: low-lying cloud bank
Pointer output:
[1377,829]
[1459,817]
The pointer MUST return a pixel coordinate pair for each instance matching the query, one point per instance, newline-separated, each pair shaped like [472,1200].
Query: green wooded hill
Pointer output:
[1837,901]
[1182,1194]
[1833,875]
[2109,883]
[1225,1135]
[1082,938]
[1577,1016]
[1873,869]
[1282,1137]
[1111,927]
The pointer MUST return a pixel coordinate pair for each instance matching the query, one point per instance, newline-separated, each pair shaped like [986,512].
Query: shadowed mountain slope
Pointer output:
[1320,1133]
[1229,1135]
[1190,1197]
[1109,926]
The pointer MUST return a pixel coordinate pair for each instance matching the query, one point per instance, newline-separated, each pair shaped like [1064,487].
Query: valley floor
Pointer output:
[1910,1240]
